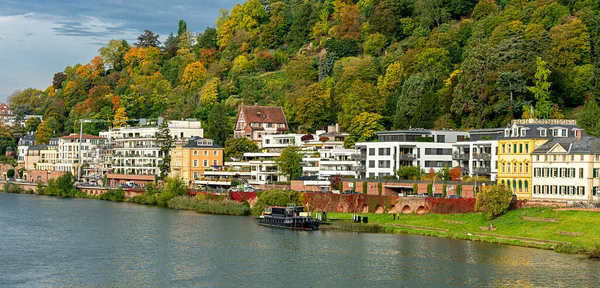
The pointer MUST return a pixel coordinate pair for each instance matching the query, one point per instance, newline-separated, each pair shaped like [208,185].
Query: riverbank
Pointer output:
[545,228]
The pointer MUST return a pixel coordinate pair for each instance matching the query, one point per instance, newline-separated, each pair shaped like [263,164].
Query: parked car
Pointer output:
[423,195]
[249,189]
[438,195]
[233,189]
[454,196]
[350,192]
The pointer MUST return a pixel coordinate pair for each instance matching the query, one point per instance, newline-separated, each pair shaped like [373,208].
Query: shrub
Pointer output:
[380,188]
[430,190]
[444,192]
[10,173]
[364,187]
[335,181]
[409,172]
[174,187]
[459,189]
[416,188]
[455,174]
[221,206]
[276,198]
[144,199]
[494,201]
[113,195]
[595,253]
[341,188]
[40,188]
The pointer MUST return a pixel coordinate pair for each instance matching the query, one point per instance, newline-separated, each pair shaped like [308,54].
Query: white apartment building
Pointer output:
[48,156]
[429,149]
[477,155]
[68,152]
[330,162]
[136,151]
[24,143]
[567,169]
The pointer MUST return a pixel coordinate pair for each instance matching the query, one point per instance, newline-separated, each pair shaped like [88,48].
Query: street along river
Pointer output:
[55,242]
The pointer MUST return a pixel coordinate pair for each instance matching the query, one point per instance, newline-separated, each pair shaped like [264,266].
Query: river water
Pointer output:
[54,242]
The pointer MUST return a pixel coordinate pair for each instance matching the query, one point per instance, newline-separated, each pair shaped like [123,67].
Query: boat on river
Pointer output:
[290,217]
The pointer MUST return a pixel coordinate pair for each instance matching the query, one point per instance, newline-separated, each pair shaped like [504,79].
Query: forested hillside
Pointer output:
[367,64]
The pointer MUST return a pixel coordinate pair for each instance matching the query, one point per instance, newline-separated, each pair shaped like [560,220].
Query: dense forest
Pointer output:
[368,65]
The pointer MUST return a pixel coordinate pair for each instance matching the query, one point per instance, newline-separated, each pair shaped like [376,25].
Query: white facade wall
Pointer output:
[565,177]
[480,156]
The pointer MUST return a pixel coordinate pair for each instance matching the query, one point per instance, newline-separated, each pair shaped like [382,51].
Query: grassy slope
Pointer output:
[511,224]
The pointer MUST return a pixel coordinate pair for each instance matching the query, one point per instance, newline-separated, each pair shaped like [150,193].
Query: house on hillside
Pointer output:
[255,121]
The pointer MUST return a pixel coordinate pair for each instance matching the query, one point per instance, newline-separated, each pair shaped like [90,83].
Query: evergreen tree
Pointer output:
[218,124]
[290,162]
[589,120]
[165,141]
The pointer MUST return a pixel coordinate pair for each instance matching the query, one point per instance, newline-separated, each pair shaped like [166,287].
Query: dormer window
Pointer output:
[507,132]
[522,132]
[559,132]
[515,132]
[543,132]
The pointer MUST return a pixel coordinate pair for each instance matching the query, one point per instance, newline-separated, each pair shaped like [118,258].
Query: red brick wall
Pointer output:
[44,176]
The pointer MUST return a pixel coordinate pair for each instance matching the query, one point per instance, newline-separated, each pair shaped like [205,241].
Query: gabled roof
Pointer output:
[263,114]
[572,145]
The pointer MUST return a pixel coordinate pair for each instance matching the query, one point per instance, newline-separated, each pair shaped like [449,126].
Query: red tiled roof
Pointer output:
[84,136]
[264,114]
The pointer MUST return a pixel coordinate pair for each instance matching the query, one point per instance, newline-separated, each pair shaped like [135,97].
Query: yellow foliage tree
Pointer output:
[120,118]
[193,75]
[210,92]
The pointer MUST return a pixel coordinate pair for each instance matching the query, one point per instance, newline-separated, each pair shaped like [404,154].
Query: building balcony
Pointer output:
[482,156]
[458,156]
[407,157]
[359,156]
[482,170]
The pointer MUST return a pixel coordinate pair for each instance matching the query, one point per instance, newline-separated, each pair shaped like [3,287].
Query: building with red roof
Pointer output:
[255,121]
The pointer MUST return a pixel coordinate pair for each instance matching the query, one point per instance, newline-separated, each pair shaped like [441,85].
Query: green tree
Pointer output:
[236,147]
[113,54]
[570,44]
[32,124]
[426,112]
[182,27]
[173,187]
[578,84]
[165,141]
[208,39]
[543,105]
[43,133]
[312,109]
[147,39]
[434,64]
[432,12]
[375,44]
[412,91]
[290,162]
[589,118]
[301,71]
[511,82]
[494,201]
[409,172]
[364,127]
[218,124]
[360,98]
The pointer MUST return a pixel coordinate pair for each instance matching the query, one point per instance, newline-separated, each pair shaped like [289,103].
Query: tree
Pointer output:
[375,44]
[494,201]
[455,174]
[58,79]
[543,105]
[182,27]
[113,54]
[431,12]
[589,118]
[409,172]
[364,127]
[434,64]
[426,112]
[312,108]
[300,71]
[412,91]
[236,147]
[570,44]
[165,141]
[32,124]
[290,162]
[193,75]
[120,118]
[360,97]
[208,39]
[511,82]
[210,92]
[147,39]
[43,133]
[218,125]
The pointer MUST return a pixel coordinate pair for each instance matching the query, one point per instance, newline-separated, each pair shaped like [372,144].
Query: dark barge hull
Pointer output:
[288,227]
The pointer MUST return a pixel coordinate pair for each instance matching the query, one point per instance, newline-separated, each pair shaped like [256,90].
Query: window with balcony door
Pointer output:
[195,175]
[520,168]
[215,163]
[503,150]
[503,167]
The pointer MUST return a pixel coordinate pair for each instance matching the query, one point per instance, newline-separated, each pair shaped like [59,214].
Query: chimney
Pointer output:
[578,134]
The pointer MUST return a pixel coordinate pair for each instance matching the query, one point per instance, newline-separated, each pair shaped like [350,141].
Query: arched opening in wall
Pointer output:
[406,209]
[379,210]
[392,210]
[421,210]
[365,209]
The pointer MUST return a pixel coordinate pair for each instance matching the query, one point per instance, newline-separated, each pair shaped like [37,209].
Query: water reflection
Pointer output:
[47,241]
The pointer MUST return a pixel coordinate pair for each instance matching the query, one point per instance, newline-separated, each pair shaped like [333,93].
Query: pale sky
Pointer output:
[39,38]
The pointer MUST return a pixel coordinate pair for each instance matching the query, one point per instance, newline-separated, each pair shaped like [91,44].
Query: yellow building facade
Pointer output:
[515,150]
[190,159]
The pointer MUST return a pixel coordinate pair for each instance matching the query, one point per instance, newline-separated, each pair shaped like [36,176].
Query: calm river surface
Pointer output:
[53,242]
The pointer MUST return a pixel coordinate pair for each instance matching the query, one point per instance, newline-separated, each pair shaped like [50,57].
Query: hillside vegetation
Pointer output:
[368,65]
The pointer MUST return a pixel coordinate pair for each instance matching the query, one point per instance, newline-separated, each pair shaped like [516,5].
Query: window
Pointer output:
[384,151]
[537,157]
[515,149]
[554,172]
[371,164]
[195,175]
[522,132]
[595,191]
[195,153]
[195,163]
[520,167]
[384,164]
[507,133]
[580,172]
[216,153]
[205,152]
[526,148]
[205,162]
[543,132]
[441,138]
[521,148]
[215,163]
[371,151]
[503,168]
[526,167]
[509,148]
[503,150]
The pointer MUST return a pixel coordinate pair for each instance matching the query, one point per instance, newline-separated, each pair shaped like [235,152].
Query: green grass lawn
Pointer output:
[510,224]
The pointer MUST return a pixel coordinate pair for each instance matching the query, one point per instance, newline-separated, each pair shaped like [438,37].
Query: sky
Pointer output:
[39,38]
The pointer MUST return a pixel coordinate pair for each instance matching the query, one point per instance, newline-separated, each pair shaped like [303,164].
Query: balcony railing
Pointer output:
[359,156]
[482,170]
[407,157]
[458,156]
[483,156]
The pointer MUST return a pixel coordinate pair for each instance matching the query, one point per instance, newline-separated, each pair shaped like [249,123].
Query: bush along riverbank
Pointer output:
[561,231]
